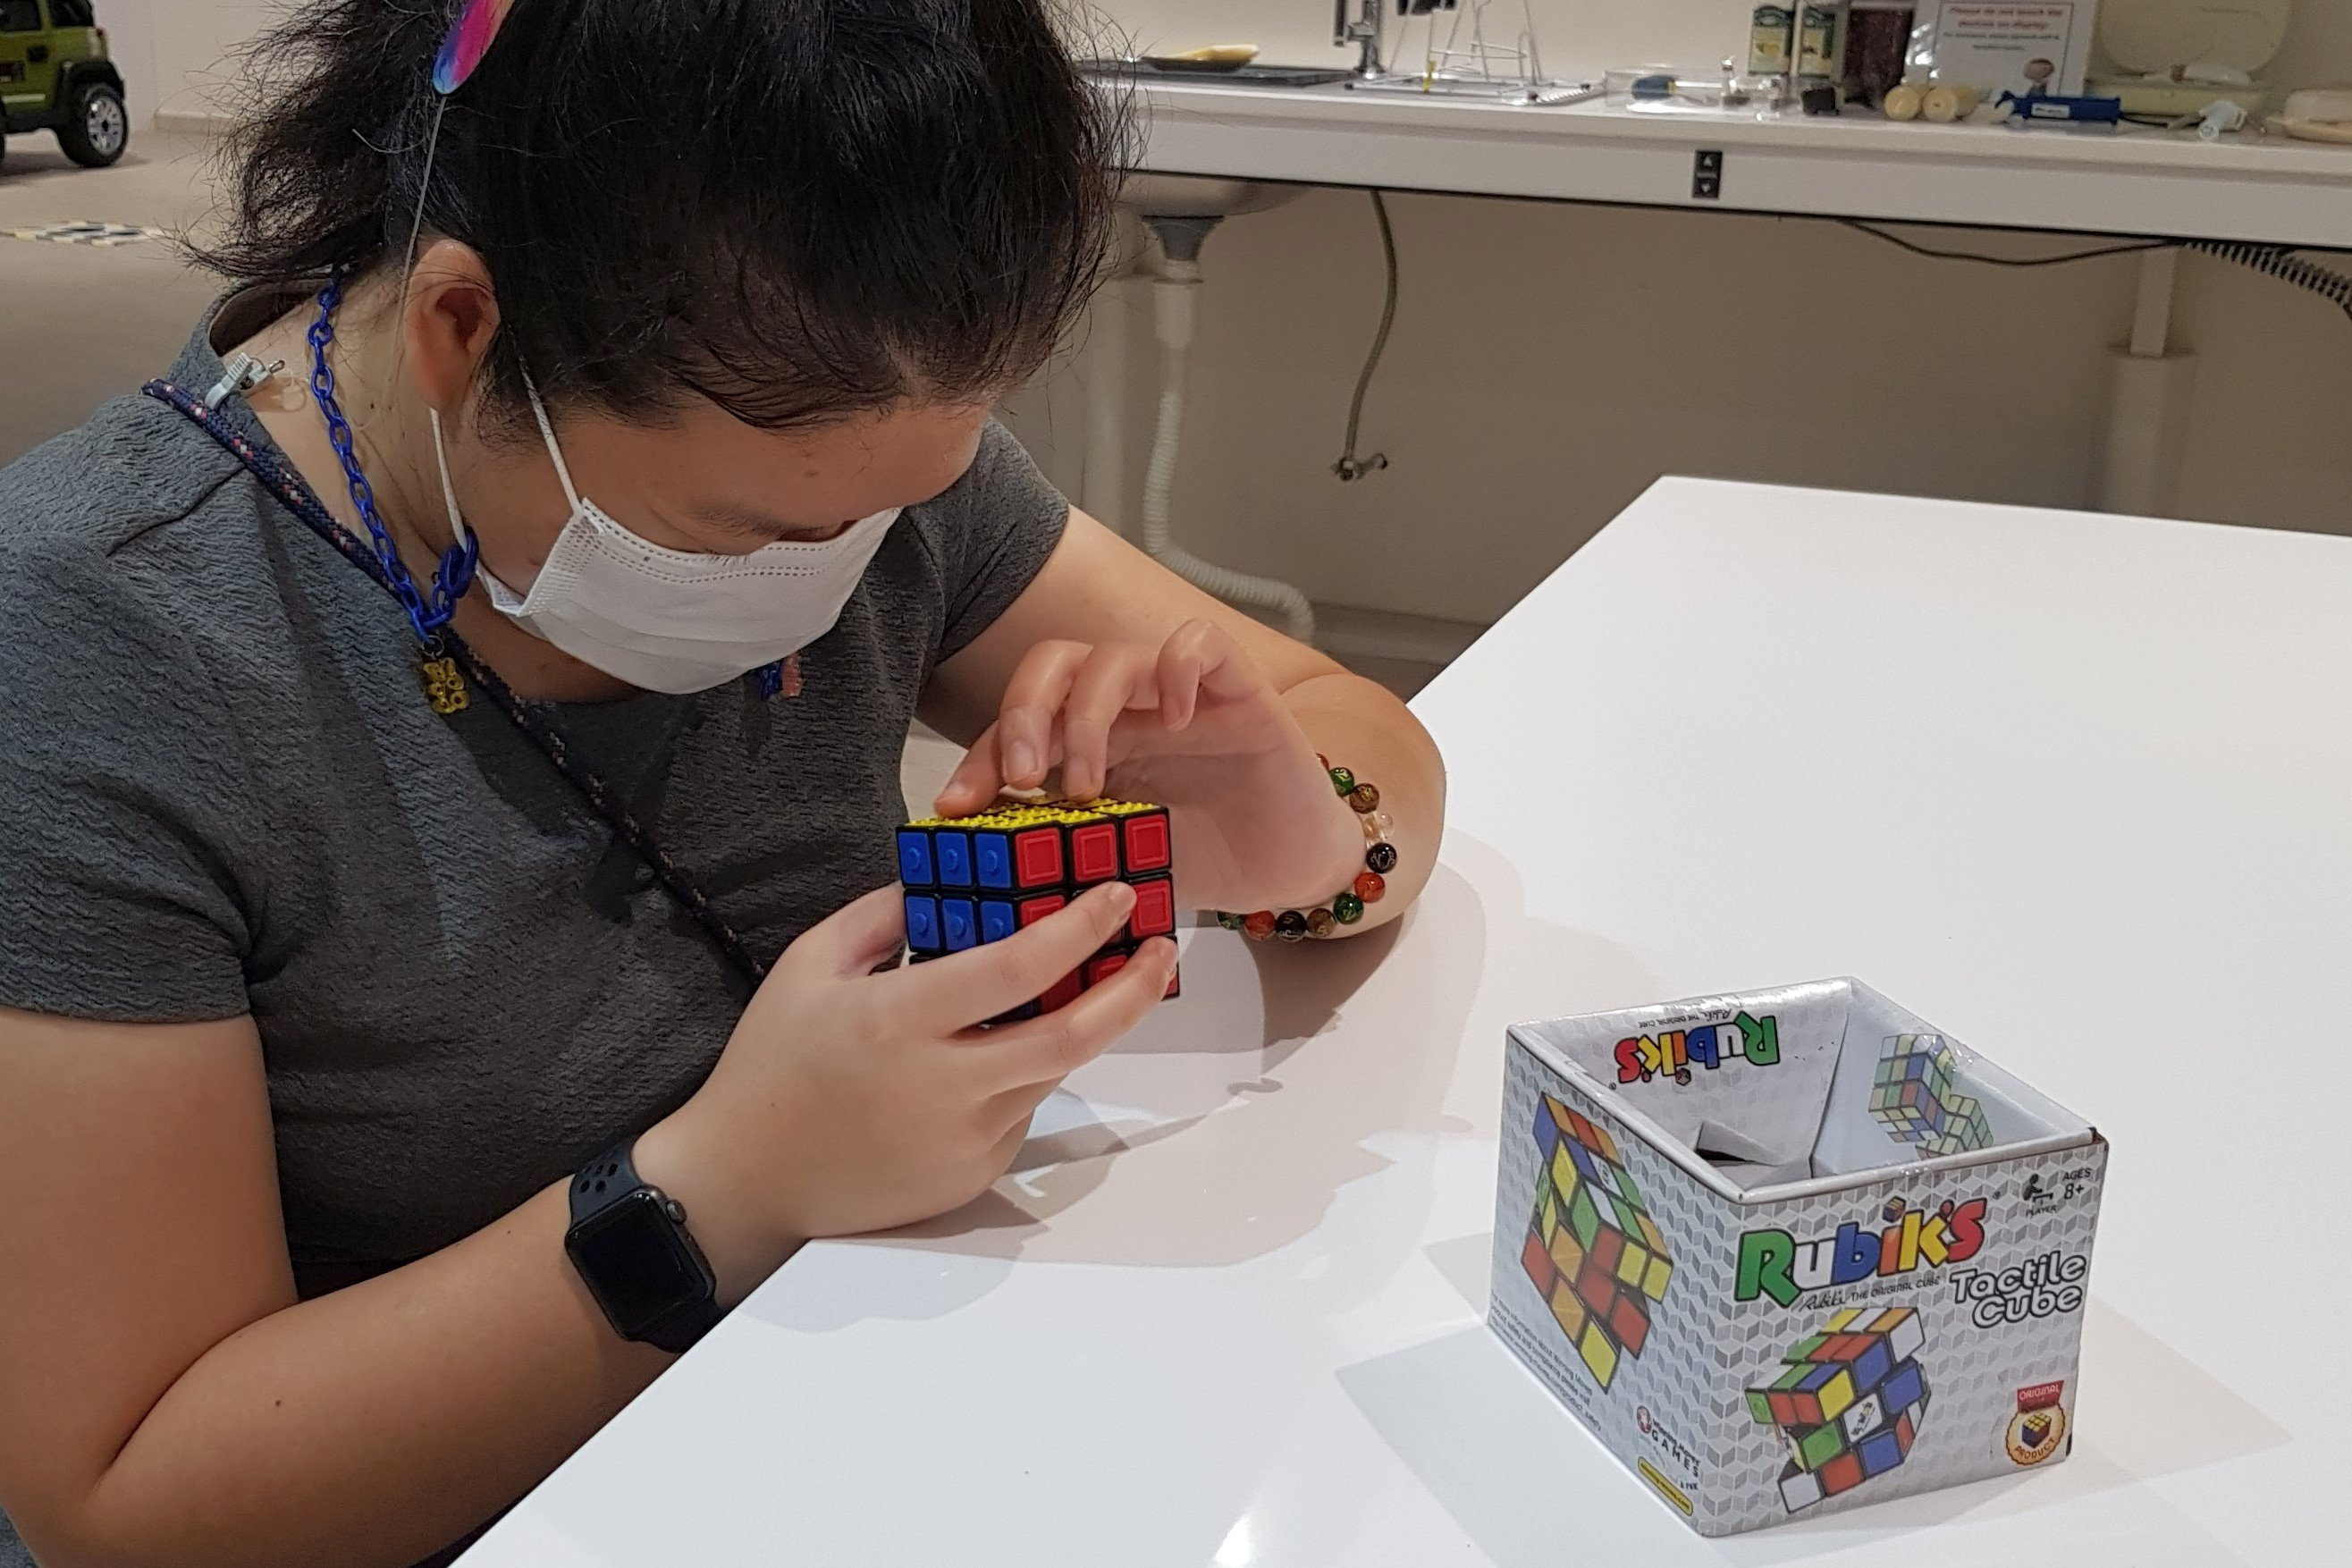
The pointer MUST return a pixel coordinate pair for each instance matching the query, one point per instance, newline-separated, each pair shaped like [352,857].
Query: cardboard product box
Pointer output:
[1792,1251]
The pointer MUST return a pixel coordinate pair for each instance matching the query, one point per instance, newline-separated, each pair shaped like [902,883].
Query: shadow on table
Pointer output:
[1225,1127]
[1492,1445]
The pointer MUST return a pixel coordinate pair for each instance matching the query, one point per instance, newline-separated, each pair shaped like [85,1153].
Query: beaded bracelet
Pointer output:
[1347,906]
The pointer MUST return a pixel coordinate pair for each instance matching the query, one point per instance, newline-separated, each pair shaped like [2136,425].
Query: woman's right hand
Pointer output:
[850,1100]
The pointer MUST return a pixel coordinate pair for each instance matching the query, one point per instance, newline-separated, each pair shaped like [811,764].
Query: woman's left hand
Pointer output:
[1192,725]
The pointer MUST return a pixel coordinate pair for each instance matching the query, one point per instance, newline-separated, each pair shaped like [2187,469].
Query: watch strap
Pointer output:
[607,1180]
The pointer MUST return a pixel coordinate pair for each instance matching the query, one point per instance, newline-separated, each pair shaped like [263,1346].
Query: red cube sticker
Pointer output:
[1093,852]
[1148,849]
[1037,856]
[1103,968]
[1037,908]
[1155,907]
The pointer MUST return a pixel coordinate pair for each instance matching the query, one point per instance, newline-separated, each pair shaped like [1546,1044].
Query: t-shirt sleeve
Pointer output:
[123,793]
[993,532]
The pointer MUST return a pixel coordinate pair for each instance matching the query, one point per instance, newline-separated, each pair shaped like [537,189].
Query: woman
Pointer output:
[417,762]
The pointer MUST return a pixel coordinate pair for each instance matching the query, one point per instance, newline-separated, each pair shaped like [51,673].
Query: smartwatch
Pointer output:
[630,1244]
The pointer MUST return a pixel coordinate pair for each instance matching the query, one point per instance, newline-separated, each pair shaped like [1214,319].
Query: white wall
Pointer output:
[175,53]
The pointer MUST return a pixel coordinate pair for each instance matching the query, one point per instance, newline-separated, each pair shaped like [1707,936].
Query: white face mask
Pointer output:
[665,620]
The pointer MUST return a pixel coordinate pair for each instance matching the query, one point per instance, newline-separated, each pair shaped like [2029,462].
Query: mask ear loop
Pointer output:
[555,449]
[448,488]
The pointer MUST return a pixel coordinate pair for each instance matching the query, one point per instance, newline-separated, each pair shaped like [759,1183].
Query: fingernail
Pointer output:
[1020,759]
[1122,895]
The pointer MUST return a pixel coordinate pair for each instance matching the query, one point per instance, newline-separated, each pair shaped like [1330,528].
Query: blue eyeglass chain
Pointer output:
[428,610]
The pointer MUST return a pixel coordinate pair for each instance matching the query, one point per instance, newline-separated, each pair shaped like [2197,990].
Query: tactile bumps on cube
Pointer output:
[1915,1096]
[1592,1250]
[1849,1404]
[975,879]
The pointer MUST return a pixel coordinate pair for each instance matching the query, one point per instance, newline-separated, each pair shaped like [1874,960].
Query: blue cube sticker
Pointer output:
[915,858]
[992,859]
[997,920]
[957,922]
[954,852]
[923,923]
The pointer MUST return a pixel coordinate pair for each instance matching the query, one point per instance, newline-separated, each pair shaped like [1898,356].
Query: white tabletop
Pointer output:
[2074,787]
[2138,180]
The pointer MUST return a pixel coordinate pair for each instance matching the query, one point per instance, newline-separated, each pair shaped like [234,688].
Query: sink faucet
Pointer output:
[1363,30]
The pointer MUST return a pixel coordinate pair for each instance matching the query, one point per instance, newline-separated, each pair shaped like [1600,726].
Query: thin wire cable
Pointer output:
[1927,250]
[1349,466]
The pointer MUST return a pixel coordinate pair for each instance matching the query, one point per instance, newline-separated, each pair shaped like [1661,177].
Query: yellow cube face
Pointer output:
[1600,1354]
[1650,1231]
[1567,1309]
[1654,1283]
[1836,1394]
[1565,1253]
[1563,1175]
[1841,1321]
[1551,1218]
[1632,1262]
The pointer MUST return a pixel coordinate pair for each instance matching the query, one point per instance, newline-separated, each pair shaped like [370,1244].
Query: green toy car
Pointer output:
[55,76]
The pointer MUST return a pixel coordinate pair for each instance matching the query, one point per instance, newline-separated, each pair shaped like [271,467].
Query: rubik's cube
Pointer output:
[975,879]
[1850,1404]
[2033,1430]
[1917,1098]
[1595,1255]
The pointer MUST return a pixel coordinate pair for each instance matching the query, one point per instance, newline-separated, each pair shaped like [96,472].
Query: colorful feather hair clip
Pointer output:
[462,51]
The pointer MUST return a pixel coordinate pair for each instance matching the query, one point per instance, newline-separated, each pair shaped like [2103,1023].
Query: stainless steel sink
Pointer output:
[1483,89]
[1199,195]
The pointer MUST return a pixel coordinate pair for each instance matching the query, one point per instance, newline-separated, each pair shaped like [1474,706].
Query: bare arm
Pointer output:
[171,1402]
[165,1400]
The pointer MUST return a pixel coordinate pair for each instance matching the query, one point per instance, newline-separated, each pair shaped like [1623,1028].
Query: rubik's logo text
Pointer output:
[1595,1255]
[1774,1263]
[1669,1053]
[1849,1404]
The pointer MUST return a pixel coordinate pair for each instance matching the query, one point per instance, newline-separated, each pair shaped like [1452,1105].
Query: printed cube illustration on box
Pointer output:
[975,879]
[1592,1250]
[1916,1101]
[1741,1260]
[1849,1405]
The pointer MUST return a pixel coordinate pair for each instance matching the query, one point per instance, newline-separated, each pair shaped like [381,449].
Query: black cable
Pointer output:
[1349,466]
[2072,255]
[2281,262]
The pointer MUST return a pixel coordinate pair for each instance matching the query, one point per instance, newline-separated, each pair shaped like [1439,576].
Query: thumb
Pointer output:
[850,942]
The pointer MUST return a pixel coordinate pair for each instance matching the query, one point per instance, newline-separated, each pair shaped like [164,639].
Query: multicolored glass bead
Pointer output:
[1260,925]
[1343,780]
[1290,926]
[1347,909]
[1376,824]
[1381,857]
[1370,887]
[1321,922]
[1364,797]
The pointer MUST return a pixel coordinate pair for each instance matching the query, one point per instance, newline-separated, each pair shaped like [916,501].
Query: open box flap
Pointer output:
[1776,1094]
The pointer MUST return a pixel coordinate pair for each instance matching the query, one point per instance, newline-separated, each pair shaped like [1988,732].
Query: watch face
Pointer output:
[634,1262]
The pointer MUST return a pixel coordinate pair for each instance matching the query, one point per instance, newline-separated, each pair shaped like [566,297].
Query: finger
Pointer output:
[855,938]
[953,993]
[1227,671]
[1043,1051]
[977,781]
[1112,681]
[1182,658]
[1033,700]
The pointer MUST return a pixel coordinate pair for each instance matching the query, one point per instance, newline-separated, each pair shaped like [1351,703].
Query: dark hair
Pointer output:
[797,210]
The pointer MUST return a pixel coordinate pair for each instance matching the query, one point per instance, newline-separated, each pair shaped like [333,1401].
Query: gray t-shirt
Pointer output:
[221,792]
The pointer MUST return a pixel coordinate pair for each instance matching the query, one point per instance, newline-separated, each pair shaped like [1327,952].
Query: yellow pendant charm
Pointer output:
[444,686]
